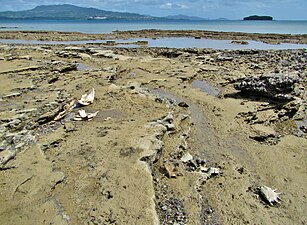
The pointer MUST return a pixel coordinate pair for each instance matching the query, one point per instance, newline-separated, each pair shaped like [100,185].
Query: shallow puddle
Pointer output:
[205,87]
[300,124]
[109,114]
[84,67]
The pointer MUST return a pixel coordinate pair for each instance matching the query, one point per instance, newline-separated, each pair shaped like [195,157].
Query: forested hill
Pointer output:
[70,12]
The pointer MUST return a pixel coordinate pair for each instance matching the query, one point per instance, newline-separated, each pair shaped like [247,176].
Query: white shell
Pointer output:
[92,115]
[87,99]
[84,115]
[270,195]
[186,157]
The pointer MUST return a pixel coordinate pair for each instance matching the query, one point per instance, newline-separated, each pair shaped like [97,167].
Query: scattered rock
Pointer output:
[262,133]
[167,122]
[183,104]
[103,53]
[303,128]
[27,57]
[239,42]
[49,116]
[70,127]
[61,67]
[224,58]
[66,54]
[170,53]
[171,211]
[53,79]
[12,95]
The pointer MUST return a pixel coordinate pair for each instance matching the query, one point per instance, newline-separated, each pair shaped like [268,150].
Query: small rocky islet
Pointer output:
[256,17]
[158,149]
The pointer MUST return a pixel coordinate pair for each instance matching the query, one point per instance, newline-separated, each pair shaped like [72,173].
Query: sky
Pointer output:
[212,9]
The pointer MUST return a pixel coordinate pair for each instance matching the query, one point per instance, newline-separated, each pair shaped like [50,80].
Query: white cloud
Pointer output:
[166,6]
[170,5]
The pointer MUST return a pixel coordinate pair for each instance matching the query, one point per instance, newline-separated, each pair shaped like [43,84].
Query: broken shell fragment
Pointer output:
[87,99]
[186,157]
[213,171]
[82,113]
[66,109]
[269,195]
[170,170]
[85,116]
[92,115]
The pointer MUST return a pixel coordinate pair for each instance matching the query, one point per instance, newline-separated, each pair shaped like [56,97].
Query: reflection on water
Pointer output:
[168,43]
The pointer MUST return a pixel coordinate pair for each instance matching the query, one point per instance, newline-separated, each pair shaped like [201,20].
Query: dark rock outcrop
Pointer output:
[275,86]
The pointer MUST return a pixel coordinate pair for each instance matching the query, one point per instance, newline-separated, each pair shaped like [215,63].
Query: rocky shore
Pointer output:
[75,36]
[175,136]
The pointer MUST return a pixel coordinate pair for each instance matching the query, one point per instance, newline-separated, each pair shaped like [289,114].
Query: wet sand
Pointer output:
[173,142]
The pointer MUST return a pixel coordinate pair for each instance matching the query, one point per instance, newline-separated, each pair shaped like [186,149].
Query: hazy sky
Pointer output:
[231,9]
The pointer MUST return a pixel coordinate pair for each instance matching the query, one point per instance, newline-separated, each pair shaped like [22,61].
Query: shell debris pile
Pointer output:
[85,100]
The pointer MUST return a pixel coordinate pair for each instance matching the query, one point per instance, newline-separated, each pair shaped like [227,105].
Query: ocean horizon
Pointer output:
[107,26]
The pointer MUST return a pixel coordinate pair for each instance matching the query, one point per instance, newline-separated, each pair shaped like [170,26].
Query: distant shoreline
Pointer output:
[64,19]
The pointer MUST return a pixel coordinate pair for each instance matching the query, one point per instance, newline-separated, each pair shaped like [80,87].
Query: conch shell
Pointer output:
[87,99]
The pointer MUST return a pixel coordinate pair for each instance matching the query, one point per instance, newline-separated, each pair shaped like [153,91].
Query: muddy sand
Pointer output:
[182,136]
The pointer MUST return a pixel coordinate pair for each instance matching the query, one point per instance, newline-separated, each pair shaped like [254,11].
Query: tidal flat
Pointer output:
[182,136]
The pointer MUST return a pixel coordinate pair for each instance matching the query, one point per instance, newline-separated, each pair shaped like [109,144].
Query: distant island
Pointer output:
[255,17]
[72,12]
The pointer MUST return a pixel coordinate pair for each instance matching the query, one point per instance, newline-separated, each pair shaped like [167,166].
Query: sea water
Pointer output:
[106,26]
[168,42]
